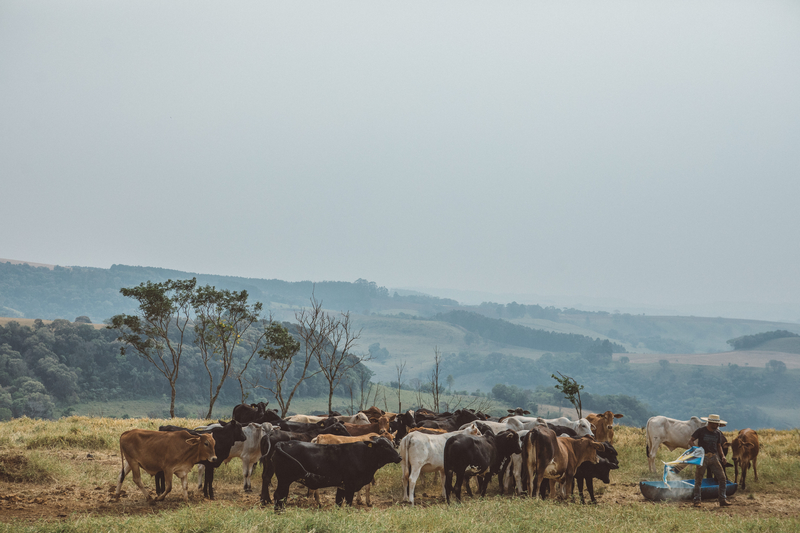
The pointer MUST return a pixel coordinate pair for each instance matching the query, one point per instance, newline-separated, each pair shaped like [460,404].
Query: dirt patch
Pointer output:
[30,502]
[13,468]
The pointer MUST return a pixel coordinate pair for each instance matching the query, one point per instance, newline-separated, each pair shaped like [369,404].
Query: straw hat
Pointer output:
[713,419]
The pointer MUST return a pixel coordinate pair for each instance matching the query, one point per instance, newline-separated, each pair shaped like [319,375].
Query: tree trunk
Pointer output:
[172,400]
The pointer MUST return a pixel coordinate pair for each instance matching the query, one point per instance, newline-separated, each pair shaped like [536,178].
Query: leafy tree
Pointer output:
[222,318]
[778,367]
[571,391]
[157,332]
[279,351]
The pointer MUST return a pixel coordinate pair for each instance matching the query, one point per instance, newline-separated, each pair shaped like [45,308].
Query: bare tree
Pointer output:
[337,338]
[400,368]
[365,387]
[436,386]
[417,384]
[157,332]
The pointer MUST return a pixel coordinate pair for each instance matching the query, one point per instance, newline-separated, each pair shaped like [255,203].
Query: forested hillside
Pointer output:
[47,367]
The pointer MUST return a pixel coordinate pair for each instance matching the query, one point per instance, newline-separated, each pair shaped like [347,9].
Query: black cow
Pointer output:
[268,443]
[401,424]
[348,467]
[450,423]
[224,438]
[302,427]
[244,414]
[607,461]
[468,455]
[563,430]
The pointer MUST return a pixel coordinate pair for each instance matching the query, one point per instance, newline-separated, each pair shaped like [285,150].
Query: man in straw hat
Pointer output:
[710,438]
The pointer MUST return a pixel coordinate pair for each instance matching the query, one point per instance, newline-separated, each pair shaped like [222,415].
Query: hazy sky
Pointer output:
[642,151]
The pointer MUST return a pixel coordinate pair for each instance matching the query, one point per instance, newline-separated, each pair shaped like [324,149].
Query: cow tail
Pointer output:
[122,456]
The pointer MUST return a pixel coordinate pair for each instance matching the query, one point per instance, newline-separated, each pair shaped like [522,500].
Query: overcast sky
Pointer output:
[646,152]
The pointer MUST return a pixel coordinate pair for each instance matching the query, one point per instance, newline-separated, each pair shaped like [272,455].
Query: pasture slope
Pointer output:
[60,476]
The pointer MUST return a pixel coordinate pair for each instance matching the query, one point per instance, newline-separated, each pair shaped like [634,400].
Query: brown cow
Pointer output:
[336,439]
[604,426]
[556,459]
[427,431]
[373,413]
[381,426]
[171,452]
[745,449]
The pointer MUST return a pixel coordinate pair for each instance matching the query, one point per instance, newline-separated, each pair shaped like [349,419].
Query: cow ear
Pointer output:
[193,441]
[598,446]
[618,415]
[526,412]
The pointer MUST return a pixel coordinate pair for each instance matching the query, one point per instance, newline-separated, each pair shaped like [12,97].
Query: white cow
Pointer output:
[669,432]
[518,423]
[358,418]
[425,453]
[582,427]
[513,472]
[249,450]
[497,427]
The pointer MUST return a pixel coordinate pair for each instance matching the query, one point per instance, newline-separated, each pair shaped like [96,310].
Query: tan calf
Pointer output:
[745,450]
[604,426]
[173,452]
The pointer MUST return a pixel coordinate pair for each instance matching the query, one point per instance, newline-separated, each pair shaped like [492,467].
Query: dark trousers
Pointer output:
[712,463]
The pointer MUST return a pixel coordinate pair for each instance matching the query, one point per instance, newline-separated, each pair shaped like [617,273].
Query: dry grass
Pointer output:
[58,476]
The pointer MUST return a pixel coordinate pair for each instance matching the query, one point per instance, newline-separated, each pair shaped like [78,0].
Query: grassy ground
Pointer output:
[60,475]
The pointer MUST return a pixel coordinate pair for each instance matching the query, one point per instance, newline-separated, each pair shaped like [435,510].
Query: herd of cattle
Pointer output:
[345,452]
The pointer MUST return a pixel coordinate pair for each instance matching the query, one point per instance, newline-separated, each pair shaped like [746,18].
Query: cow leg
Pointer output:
[755,472]
[366,495]
[580,487]
[744,475]
[137,478]
[412,483]
[484,483]
[651,455]
[123,472]
[448,485]
[459,482]
[348,496]
[467,480]
[266,477]
[280,495]
[590,488]
[208,485]
[247,470]
[168,474]
[736,470]
[201,476]
[185,486]
[158,479]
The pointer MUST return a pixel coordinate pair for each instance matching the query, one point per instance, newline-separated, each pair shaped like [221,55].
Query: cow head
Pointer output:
[205,444]
[336,429]
[585,428]
[383,450]
[508,443]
